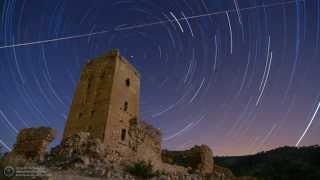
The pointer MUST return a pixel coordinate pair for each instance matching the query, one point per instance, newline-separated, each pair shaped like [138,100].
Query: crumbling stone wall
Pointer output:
[146,143]
[82,151]
[31,143]
[198,159]
[81,143]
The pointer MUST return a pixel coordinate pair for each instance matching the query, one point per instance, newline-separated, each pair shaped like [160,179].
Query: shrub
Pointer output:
[1,157]
[142,169]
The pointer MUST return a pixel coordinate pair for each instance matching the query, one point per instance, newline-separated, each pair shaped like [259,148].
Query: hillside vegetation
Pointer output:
[281,163]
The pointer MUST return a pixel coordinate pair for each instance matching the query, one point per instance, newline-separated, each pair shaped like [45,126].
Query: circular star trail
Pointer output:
[240,76]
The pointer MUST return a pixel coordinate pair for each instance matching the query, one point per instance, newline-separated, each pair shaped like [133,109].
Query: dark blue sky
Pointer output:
[240,76]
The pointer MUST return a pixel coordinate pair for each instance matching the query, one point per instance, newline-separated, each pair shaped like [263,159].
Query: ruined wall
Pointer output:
[31,143]
[79,150]
[198,158]
[146,143]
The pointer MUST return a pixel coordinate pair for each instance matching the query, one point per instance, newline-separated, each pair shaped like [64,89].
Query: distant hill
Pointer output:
[282,163]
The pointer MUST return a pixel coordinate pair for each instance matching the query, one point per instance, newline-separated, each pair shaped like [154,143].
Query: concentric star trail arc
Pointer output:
[309,124]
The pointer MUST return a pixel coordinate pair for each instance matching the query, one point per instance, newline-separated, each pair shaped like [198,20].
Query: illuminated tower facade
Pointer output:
[106,100]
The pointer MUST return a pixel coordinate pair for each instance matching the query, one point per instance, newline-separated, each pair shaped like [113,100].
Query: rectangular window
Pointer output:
[123,134]
[128,82]
[125,108]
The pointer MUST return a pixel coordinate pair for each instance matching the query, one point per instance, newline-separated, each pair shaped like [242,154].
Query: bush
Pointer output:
[1,152]
[1,157]
[142,169]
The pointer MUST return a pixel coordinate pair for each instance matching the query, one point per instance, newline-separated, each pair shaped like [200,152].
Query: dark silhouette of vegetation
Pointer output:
[281,163]
[1,152]
[143,170]
[1,159]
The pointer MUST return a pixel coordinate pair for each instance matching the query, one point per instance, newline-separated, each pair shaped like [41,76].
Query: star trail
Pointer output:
[240,76]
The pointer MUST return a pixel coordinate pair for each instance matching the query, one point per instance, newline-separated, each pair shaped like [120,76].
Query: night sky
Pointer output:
[239,75]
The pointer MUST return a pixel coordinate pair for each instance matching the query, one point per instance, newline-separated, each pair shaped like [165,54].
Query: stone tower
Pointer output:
[106,100]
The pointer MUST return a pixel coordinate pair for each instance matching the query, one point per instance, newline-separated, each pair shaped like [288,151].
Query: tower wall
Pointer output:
[106,101]
[89,109]
[124,104]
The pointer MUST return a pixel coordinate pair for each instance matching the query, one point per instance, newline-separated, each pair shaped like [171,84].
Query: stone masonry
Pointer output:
[198,158]
[105,101]
[32,143]
[145,141]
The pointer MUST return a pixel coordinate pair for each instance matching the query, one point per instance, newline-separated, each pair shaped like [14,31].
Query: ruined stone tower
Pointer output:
[104,128]
[106,100]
